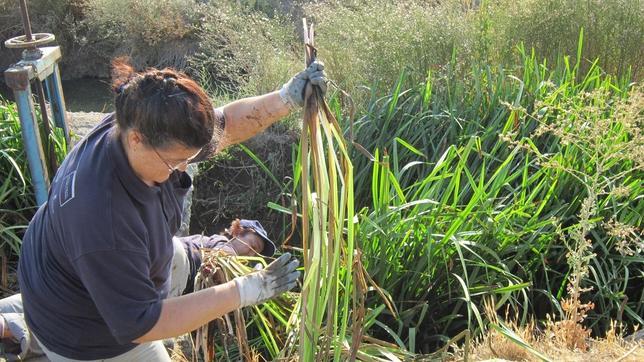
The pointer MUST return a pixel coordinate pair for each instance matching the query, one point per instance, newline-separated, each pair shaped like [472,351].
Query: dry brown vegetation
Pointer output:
[494,345]
[565,340]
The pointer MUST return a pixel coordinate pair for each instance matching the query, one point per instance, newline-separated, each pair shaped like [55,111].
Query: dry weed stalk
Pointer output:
[507,340]
[570,331]
[592,124]
[496,344]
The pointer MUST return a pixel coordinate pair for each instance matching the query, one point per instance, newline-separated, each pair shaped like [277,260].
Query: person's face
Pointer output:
[154,165]
[247,243]
[174,164]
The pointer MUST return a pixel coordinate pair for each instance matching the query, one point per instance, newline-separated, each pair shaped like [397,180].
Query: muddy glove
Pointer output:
[262,285]
[292,93]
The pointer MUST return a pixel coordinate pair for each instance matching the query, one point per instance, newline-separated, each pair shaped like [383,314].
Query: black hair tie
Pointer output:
[121,88]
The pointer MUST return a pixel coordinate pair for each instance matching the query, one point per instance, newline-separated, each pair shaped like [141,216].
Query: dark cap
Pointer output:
[269,245]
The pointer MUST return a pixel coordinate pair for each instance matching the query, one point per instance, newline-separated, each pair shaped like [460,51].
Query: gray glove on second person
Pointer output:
[293,91]
[262,285]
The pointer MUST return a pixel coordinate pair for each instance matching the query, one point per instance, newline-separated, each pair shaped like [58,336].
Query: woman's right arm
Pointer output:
[180,315]
[186,313]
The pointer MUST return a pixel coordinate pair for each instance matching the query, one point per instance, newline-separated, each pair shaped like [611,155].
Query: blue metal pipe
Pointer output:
[44,67]
[57,101]
[32,144]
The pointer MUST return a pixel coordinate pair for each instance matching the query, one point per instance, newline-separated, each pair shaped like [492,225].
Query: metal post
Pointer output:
[32,143]
[25,19]
[39,64]
[57,101]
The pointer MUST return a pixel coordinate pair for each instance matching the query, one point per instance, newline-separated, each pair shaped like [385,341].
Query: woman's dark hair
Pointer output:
[165,106]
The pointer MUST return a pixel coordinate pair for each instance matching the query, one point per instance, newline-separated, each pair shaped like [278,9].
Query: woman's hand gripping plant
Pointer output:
[262,285]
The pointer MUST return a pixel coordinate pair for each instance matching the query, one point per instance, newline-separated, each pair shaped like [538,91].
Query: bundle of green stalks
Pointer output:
[263,332]
[330,276]
[327,319]
[227,338]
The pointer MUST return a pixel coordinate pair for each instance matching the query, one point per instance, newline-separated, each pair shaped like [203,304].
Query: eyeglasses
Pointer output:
[179,165]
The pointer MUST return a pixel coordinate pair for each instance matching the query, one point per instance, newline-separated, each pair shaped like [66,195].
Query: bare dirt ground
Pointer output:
[80,123]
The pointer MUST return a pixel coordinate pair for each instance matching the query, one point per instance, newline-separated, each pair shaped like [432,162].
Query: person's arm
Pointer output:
[188,312]
[250,116]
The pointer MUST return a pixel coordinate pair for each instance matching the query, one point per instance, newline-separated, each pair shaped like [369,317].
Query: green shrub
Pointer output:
[368,43]
[152,33]
[244,52]
[371,42]
[613,29]
[92,32]
[63,18]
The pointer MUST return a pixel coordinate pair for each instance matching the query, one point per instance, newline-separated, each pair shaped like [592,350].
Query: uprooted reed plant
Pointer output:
[332,273]
[239,335]
[331,320]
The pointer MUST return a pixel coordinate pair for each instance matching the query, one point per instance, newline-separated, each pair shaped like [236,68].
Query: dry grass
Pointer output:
[560,341]
[495,346]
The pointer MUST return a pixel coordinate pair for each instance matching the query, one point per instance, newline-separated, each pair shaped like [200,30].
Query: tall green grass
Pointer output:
[367,43]
[614,30]
[466,197]
[465,201]
[17,200]
[242,51]
[469,194]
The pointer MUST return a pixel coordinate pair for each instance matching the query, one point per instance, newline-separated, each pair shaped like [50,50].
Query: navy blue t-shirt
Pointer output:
[95,261]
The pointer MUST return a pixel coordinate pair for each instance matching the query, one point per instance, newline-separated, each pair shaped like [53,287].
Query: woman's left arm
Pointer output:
[250,116]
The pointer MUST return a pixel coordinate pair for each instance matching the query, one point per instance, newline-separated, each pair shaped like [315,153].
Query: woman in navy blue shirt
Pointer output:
[95,267]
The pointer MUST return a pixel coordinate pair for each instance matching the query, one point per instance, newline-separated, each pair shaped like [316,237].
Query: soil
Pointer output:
[233,185]
[80,123]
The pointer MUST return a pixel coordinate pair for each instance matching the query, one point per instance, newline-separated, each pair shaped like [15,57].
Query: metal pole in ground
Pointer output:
[38,65]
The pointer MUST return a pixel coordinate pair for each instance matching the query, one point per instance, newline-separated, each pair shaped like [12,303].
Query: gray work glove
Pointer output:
[292,92]
[262,285]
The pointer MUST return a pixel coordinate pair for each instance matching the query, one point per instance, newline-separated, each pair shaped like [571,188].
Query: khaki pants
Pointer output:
[144,352]
[26,346]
